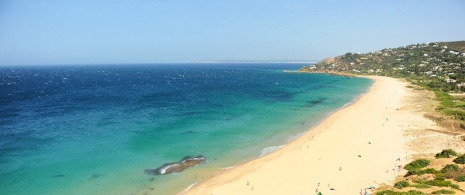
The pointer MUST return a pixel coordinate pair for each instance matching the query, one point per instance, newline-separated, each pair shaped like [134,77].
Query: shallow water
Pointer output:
[94,129]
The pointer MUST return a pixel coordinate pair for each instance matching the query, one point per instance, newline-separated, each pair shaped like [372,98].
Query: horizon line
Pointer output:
[168,63]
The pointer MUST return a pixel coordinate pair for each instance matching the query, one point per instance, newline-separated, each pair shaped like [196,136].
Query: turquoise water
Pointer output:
[94,129]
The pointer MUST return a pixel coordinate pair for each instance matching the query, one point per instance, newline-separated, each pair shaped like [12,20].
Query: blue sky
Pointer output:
[160,31]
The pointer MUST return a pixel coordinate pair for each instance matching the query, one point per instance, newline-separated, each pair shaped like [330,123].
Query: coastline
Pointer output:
[369,131]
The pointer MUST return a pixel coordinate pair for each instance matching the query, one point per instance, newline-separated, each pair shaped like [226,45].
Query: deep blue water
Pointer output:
[94,129]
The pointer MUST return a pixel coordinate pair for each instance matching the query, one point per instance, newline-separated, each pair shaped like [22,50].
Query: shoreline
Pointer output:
[316,158]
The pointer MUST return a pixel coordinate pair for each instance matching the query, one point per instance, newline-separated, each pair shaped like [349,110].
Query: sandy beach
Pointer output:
[354,148]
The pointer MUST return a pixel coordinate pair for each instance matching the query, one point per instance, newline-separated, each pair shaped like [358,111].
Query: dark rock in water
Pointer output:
[313,103]
[95,175]
[176,167]
[60,175]
[187,132]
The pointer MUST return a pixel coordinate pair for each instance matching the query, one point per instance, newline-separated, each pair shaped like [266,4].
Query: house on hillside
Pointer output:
[449,80]
[462,84]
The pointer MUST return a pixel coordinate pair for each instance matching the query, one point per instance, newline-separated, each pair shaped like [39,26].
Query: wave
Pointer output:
[187,189]
[270,149]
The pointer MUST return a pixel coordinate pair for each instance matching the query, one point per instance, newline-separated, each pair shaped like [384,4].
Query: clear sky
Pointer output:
[159,31]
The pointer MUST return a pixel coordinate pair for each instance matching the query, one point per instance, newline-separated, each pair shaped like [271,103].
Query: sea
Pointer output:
[94,129]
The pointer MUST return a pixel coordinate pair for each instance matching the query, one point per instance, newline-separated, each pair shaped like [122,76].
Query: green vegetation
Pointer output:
[442,178]
[422,171]
[447,153]
[420,186]
[445,178]
[460,159]
[436,182]
[460,178]
[443,191]
[390,192]
[417,164]
[450,168]
[401,184]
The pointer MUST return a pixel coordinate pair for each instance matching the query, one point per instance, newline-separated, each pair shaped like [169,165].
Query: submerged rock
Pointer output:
[176,167]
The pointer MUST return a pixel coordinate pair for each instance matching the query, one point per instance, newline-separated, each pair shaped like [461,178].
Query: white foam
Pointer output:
[294,137]
[163,171]
[226,168]
[187,189]
[270,149]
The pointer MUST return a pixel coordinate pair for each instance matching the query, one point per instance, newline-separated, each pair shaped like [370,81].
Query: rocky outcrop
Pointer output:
[176,167]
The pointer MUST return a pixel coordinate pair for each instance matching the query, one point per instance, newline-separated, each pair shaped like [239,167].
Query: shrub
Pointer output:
[450,168]
[446,153]
[401,184]
[460,159]
[443,192]
[421,171]
[455,186]
[417,164]
[460,178]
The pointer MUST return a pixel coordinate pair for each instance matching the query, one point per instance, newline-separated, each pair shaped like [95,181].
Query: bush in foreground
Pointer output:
[401,184]
[417,164]
[460,159]
[447,153]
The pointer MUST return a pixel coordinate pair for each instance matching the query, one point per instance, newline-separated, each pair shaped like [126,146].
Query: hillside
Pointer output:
[439,67]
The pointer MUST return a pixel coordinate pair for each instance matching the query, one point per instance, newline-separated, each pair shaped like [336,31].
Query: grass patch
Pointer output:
[435,182]
[448,105]
[417,164]
[447,153]
[420,186]
[443,192]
